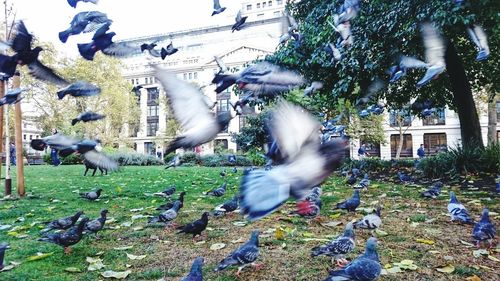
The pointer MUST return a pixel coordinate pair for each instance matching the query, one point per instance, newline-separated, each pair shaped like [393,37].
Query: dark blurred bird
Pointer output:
[404,178]
[167,216]
[190,110]
[169,205]
[79,89]
[73,3]
[226,207]
[25,55]
[333,51]
[310,207]
[151,49]
[3,247]
[223,173]
[196,272]
[84,22]
[13,96]
[245,255]
[365,267]
[97,225]
[364,182]
[458,211]
[234,170]
[433,192]
[169,191]
[67,238]
[288,27]
[217,8]
[347,11]
[307,162]
[338,247]
[103,41]
[497,184]
[434,53]
[176,161]
[231,158]
[219,191]
[87,116]
[222,67]
[170,50]
[351,179]
[480,39]
[350,204]
[239,22]
[196,227]
[370,221]
[63,223]
[484,230]
[91,195]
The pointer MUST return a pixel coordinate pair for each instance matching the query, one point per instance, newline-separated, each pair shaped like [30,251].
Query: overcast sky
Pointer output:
[131,18]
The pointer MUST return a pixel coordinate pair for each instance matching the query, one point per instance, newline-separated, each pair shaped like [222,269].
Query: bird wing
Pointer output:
[42,72]
[4,46]
[22,40]
[285,23]
[121,49]
[292,22]
[154,53]
[220,63]
[59,141]
[216,5]
[100,160]
[238,16]
[434,44]
[411,62]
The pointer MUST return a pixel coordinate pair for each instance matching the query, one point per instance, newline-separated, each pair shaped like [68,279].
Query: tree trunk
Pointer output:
[492,121]
[400,143]
[470,128]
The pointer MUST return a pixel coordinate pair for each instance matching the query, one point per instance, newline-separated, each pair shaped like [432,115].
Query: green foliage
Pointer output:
[213,160]
[253,135]
[72,159]
[126,158]
[256,157]
[377,164]
[190,157]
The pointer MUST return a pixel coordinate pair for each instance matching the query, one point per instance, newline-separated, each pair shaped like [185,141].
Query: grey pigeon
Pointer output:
[170,50]
[219,191]
[434,53]
[13,96]
[67,238]
[364,182]
[84,22]
[176,161]
[484,230]
[169,205]
[91,195]
[3,247]
[190,110]
[350,204]
[79,89]
[245,255]
[97,225]
[458,211]
[364,268]
[169,191]
[196,272]
[73,3]
[288,27]
[217,8]
[167,216]
[239,22]
[103,41]
[370,221]
[347,11]
[151,49]
[338,247]
[313,88]
[63,223]
[226,207]
[433,192]
[87,116]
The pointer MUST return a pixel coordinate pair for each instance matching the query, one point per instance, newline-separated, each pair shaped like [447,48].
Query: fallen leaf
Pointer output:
[331,224]
[480,252]
[239,223]
[72,269]
[137,228]
[134,257]
[94,263]
[334,216]
[136,210]
[217,246]
[474,278]
[380,233]
[239,240]
[446,269]
[425,241]
[39,256]
[123,248]
[467,243]
[493,258]
[394,270]
[7,268]
[316,239]
[127,224]
[279,234]
[116,274]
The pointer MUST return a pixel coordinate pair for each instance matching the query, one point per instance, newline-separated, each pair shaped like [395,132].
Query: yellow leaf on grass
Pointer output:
[380,233]
[474,278]
[426,241]
[334,216]
[446,269]
[116,274]
[39,256]
[307,234]
[123,248]
[493,258]
[279,234]
[134,257]
[480,252]
[394,270]
[72,269]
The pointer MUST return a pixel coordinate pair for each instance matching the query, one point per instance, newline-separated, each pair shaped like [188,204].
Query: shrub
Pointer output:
[257,158]
[243,161]
[135,159]
[72,159]
[46,158]
[377,164]
[491,157]
[190,158]
[214,160]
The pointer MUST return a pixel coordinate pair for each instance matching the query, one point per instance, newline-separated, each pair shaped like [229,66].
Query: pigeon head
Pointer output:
[438,184]
[77,215]
[37,50]
[205,215]
[349,230]
[377,211]
[485,216]
[371,245]
[453,198]
[99,191]
[82,224]
[181,196]
[104,213]
[254,238]
[197,264]
[223,119]
[366,175]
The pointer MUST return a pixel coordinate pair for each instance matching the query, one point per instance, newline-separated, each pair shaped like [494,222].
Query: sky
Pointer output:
[131,18]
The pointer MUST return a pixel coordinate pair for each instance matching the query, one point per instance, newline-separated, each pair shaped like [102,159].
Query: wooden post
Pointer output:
[2,93]
[18,120]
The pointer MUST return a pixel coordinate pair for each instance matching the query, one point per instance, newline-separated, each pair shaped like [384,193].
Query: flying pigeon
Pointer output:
[170,50]
[484,230]
[219,191]
[96,225]
[350,204]
[91,195]
[480,39]
[79,89]
[310,207]
[226,207]
[196,227]
[103,41]
[13,96]
[3,247]
[313,88]
[434,53]
[365,267]
[338,247]
[151,49]
[222,67]
[167,216]
[288,27]
[169,205]
[67,238]
[190,110]
[176,161]
[25,55]
[84,22]
[347,11]
[458,211]
[87,116]
[333,51]
[404,178]
[217,8]
[307,162]
[239,22]
[63,223]
[196,273]
[245,255]
[223,173]
[231,158]
[370,221]
[73,3]
[433,191]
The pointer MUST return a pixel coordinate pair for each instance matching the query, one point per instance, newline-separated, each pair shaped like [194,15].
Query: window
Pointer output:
[270,3]
[243,121]
[153,110]
[264,4]
[195,75]
[436,118]
[149,148]
[184,76]
[222,105]
[498,110]
[260,15]
[434,143]
[153,95]
[190,75]
[249,7]
[397,116]
[24,137]
[31,137]
[152,127]
[407,149]
[25,125]
[373,149]
[279,2]
[146,80]
[137,81]
[258,5]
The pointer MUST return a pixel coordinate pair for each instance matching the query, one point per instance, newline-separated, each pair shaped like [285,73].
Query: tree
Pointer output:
[254,134]
[401,119]
[385,29]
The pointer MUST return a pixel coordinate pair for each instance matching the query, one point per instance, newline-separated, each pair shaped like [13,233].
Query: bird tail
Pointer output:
[72,3]
[74,121]
[49,237]
[8,65]
[317,251]
[38,144]
[63,35]
[87,51]
[223,81]
[163,53]
[61,94]
[339,275]
[225,263]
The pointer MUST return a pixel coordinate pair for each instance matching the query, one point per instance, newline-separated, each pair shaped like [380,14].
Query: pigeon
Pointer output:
[84,22]
[351,179]
[497,184]
[484,230]
[102,41]
[226,207]
[73,3]
[313,88]
[25,55]
[3,247]
[370,221]
[433,192]
[222,67]
[217,8]
[235,170]
[96,225]
[167,216]
[245,255]
[151,49]
[169,205]
[190,110]
[365,267]
[307,162]
[79,89]
[196,227]
[363,183]
[404,178]
[478,36]
[13,96]
[231,158]
[350,204]
[347,11]
[239,22]
[434,53]
[356,172]
[176,161]
[262,78]
[223,173]
[219,191]
[428,112]
[170,50]
[310,207]
[288,27]
[196,272]
[63,223]
[87,116]
[92,195]
[458,211]
[67,238]
[169,191]
[338,247]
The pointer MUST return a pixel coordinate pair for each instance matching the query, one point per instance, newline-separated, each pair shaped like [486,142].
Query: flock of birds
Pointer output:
[301,158]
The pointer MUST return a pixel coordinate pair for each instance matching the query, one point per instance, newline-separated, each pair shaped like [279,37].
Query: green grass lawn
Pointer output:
[405,217]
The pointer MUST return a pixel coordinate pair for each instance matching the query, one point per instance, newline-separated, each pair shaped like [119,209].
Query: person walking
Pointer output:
[53,153]
[362,152]
[421,152]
